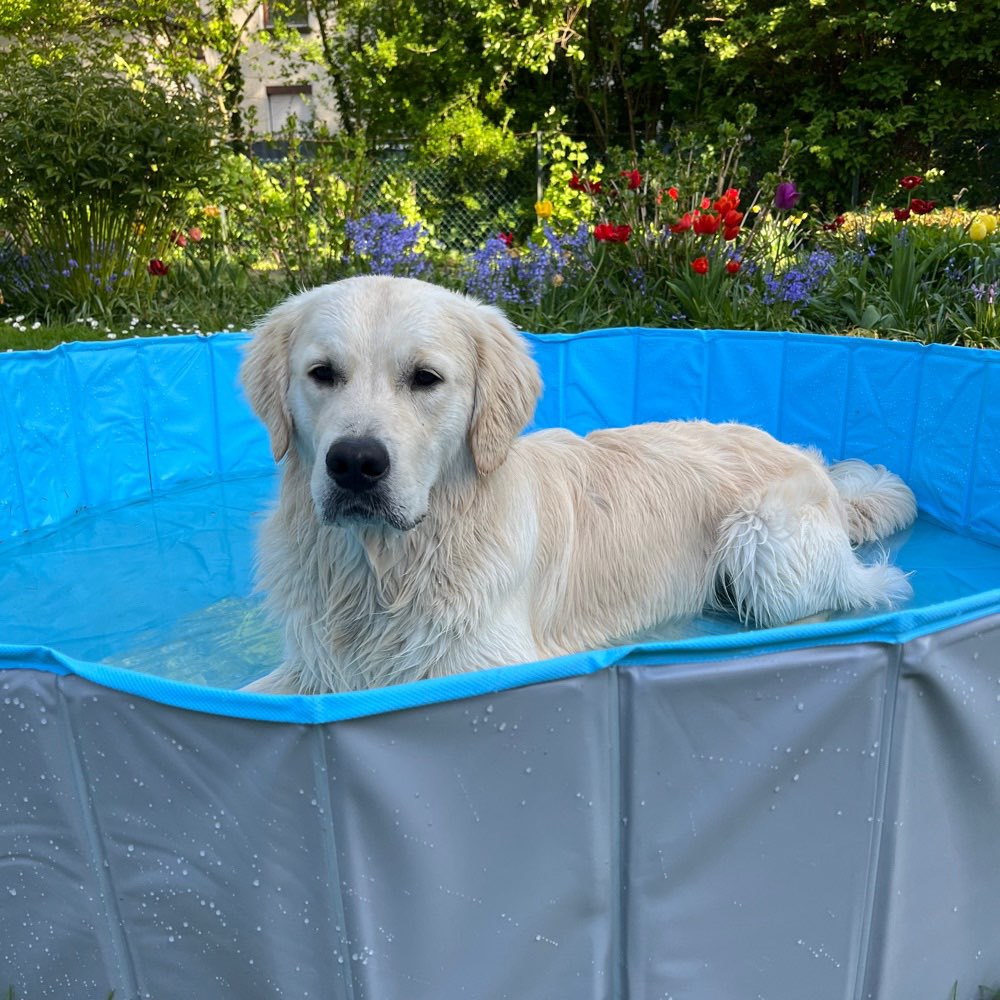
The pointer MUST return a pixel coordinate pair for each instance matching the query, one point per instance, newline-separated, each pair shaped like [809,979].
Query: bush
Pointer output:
[95,169]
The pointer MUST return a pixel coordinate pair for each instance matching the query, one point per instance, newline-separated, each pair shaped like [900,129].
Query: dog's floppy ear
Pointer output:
[265,373]
[507,388]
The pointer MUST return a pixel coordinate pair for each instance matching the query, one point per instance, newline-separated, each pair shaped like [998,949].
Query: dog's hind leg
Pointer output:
[787,558]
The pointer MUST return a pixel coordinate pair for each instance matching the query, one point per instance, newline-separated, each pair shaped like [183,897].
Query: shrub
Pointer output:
[96,165]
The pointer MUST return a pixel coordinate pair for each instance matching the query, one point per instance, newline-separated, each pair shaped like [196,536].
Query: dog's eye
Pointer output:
[324,374]
[424,378]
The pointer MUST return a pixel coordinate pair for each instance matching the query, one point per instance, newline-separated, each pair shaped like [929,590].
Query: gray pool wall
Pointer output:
[801,813]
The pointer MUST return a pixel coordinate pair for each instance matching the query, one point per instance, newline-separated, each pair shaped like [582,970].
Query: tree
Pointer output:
[873,89]
[187,44]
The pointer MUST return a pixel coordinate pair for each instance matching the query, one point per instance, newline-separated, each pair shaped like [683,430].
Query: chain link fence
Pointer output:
[460,202]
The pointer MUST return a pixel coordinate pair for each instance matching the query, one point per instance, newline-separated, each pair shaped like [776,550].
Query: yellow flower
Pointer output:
[544,209]
[990,222]
[978,230]
[211,211]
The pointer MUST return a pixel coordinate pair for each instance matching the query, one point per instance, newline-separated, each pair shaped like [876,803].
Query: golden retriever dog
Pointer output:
[418,533]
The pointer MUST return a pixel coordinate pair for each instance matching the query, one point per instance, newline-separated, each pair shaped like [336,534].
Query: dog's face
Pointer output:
[385,387]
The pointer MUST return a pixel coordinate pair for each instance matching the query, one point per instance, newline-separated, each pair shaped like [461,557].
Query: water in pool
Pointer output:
[165,586]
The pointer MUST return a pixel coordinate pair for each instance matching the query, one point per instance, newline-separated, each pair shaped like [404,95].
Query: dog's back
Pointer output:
[649,524]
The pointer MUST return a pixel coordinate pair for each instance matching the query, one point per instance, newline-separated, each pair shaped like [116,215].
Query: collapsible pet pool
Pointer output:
[809,811]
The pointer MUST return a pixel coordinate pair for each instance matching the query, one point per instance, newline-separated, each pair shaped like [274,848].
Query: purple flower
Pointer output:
[386,244]
[496,274]
[785,196]
[796,285]
[986,293]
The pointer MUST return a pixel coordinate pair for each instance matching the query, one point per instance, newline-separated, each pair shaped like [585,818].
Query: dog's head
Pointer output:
[384,387]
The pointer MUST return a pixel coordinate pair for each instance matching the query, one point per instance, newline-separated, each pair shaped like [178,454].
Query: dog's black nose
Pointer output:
[357,464]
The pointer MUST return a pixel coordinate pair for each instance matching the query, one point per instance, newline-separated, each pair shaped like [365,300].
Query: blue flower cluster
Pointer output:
[503,275]
[987,294]
[41,268]
[384,243]
[796,285]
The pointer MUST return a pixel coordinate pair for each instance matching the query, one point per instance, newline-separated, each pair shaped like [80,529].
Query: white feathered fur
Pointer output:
[487,547]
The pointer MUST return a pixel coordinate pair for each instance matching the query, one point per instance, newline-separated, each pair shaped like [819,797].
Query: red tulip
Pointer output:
[634,179]
[605,232]
[682,224]
[920,207]
[158,268]
[588,187]
[911,182]
[700,265]
[707,225]
[732,266]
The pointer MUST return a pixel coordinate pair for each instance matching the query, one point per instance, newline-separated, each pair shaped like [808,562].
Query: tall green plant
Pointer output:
[292,209]
[95,169]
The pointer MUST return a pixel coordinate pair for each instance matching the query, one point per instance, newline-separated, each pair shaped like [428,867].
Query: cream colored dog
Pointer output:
[418,534]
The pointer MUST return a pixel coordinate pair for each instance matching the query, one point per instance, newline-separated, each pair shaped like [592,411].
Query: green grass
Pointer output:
[26,335]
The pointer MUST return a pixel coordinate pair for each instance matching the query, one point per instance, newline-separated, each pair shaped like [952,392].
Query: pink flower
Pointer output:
[195,233]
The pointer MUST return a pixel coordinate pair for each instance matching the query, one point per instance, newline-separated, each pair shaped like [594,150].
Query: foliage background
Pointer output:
[457,116]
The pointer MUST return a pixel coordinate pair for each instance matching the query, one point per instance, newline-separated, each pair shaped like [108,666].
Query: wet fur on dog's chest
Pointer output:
[381,606]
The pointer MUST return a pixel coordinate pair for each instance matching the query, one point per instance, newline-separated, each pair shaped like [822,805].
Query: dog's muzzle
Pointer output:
[357,465]
[358,470]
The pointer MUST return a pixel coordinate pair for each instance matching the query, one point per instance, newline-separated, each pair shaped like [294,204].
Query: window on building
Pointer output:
[283,102]
[294,13]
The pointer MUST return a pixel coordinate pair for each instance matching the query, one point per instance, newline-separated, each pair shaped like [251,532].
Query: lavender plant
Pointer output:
[384,243]
[524,277]
[795,286]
